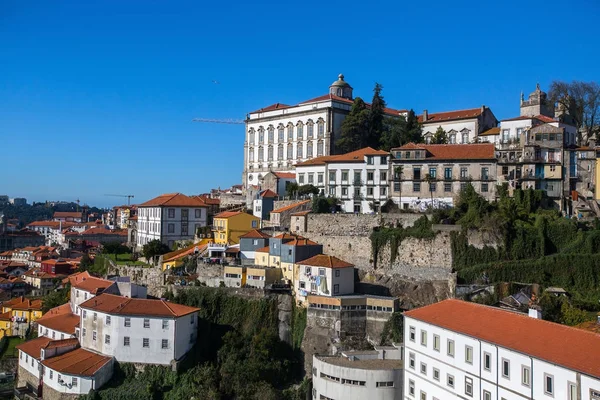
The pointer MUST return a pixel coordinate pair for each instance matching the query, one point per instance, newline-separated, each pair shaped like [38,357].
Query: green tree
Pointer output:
[581,101]
[376,118]
[400,131]
[305,190]
[322,204]
[115,248]
[440,136]
[291,189]
[413,130]
[154,248]
[354,128]
[430,181]
[85,263]
[56,298]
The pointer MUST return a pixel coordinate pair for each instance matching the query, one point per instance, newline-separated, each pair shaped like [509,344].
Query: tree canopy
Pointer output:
[154,248]
[401,130]
[354,128]
[581,101]
[440,136]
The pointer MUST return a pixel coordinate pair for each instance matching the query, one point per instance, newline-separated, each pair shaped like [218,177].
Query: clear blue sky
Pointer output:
[98,98]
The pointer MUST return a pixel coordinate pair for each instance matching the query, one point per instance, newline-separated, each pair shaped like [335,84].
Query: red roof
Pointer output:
[475,151]
[572,348]
[63,323]
[67,214]
[301,213]
[290,207]
[85,281]
[33,347]
[354,156]
[285,175]
[174,200]
[322,260]
[276,106]
[229,214]
[451,115]
[111,304]
[263,249]
[325,97]
[255,234]
[77,362]
[268,193]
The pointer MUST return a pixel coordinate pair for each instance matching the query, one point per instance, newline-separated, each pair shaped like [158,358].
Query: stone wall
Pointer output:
[52,394]
[26,378]
[151,277]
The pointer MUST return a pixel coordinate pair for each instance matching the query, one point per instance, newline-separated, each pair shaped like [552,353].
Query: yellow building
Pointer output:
[260,277]
[5,324]
[234,276]
[228,226]
[176,258]
[23,309]
[552,172]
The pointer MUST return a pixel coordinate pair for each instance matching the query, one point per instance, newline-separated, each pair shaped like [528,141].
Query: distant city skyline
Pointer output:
[100,99]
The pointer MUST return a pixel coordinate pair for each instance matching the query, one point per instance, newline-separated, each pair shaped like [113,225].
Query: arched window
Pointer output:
[280,152]
[251,136]
[428,139]
[290,130]
[300,131]
[271,131]
[270,154]
[300,150]
[280,133]
[290,151]
[261,154]
[465,136]
[319,148]
[320,128]
[309,129]
[261,135]
[251,154]
[309,150]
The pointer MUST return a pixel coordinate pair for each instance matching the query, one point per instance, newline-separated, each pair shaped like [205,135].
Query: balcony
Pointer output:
[218,228]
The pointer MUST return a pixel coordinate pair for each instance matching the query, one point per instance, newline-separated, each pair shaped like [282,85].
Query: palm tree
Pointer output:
[398,169]
[430,179]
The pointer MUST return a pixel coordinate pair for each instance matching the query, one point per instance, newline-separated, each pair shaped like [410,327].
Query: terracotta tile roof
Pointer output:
[53,224]
[67,214]
[451,115]
[476,151]
[490,132]
[268,193]
[272,107]
[174,255]
[354,156]
[119,305]
[228,214]
[566,346]
[77,362]
[85,281]
[301,242]
[43,275]
[100,230]
[290,207]
[287,236]
[25,304]
[388,111]
[33,347]
[285,175]
[322,260]
[54,344]
[63,323]
[64,309]
[263,250]
[173,200]
[13,301]
[301,213]
[544,118]
[255,234]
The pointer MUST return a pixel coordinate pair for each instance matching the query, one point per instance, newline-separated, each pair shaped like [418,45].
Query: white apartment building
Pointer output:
[324,275]
[170,217]
[137,330]
[359,178]
[280,135]
[461,126]
[359,375]
[461,350]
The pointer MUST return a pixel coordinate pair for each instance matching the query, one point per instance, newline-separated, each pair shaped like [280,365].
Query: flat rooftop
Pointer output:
[362,364]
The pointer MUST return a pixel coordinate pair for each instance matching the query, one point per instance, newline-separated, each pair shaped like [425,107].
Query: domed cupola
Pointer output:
[341,88]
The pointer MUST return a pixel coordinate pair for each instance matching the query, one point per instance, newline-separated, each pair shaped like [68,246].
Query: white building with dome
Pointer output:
[281,135]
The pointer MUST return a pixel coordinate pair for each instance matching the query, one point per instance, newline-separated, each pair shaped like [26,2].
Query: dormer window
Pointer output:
[407,154]
[369,160]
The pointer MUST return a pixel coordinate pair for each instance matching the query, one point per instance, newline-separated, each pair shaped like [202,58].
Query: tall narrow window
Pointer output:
[309,129]
[450,348]
[487,361]
[548,384]
[468,354]
[309,150]
[270,154]
[280,134]
[423,338]
[271,131]
[525,375]
[321,129]
[300,131]
[505,368]
[436,342]
[290,131]
[251,136]
[280,152]
[319,149]
[299,152]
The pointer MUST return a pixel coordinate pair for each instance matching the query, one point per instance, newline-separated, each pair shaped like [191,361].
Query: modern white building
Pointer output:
[359,375]
[359,178]
[461,350]
[461,126]
[169,218]
[324,275]
[280,135]
[137,330]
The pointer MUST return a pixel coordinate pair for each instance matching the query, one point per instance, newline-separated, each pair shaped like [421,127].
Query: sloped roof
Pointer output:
[272,107]
[263,250]
[562,345]
[255,234]
[490,132]
[173,200]
[174,255]
[301,213]
[451,115]
[290,207]
[475,151]
[63,309]
[33,347]
[353,156]
[229,214]
[67,214]
[268,193]
[323,260]
[285,175]
[85,281]
[118,305]
[63,323]
[77,362]
[26,304]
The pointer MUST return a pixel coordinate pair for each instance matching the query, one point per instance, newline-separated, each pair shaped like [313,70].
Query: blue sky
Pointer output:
[98,98]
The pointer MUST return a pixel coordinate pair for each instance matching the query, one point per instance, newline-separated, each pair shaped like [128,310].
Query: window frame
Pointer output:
[551,391]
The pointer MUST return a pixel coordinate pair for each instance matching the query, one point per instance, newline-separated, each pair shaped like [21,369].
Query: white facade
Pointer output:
[324,281]
[355,378]
[138,339]
[459,132]
[29,363]
[361,186]
[52,333]
[169,224]
[445,365]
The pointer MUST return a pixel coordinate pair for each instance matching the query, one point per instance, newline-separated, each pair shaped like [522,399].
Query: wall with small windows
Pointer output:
[74,384]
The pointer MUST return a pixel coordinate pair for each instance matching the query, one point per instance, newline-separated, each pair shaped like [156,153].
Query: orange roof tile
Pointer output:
[28,304]
[272,107]
[285,175]
[322,260]
[451,115]
[476,151]
[255,234]
[67,214]
[301,242]
[492,131]
[388,111]
[290,207]
[263,250]
[63,323]
[229,214]
[301,213]
[119,305]
[566,346]
[6,316]
[268,193]
[354,156]
[54,344]
[174,255]
[56,311]
[33,347]
[173,200]
[77,362]
[85,281]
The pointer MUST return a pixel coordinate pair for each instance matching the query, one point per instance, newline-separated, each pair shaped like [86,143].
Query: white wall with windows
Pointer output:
[324,281]
[169,224]
[52,333]
[445,365]
[77,384]
[458,132]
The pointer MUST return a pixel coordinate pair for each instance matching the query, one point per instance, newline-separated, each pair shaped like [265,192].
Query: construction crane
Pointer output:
[220,121]
[129,197]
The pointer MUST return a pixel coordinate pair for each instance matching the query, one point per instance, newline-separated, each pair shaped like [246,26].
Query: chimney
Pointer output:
[425,115]
[483,108]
